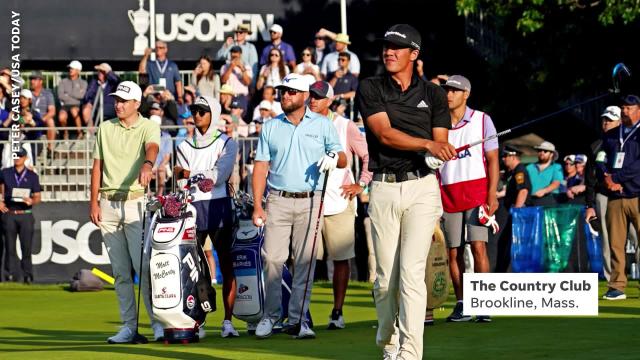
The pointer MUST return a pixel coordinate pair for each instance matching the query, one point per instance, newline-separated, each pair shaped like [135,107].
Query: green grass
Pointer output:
[47,322]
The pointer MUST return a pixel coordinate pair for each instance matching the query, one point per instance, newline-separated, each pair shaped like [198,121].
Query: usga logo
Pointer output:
[242,288]
[191,302]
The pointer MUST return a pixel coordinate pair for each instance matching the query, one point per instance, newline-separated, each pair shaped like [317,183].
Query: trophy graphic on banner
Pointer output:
[140,21]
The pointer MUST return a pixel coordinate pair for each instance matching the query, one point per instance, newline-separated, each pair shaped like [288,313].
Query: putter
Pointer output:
[295,330]
[620,71]
[137,337]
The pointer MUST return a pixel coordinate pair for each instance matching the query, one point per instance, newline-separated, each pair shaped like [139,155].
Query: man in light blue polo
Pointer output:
[545,176]
[294,151]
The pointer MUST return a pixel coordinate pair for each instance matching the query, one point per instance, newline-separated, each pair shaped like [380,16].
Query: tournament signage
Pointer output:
[65,241]
[121,30]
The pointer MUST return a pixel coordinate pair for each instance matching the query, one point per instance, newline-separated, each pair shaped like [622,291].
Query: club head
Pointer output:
[139,339]
[620,72]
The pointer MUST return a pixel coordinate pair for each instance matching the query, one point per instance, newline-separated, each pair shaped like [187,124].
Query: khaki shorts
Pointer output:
[207,244]
[338,235]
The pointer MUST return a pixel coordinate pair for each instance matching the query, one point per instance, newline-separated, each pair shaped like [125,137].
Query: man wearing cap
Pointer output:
[268,97]
[29,118]
[518,186]
[162,71]
[596,192]
[276,42]
[405,118]
[338,231]
[42,102]
[105,81]
[249,52]
[545,176]
[212,153]
[619,171]
[295,150]
[124,153]
[331,64]
[573,187]
[20,190]
[71,91]
[239,75]
[468,186]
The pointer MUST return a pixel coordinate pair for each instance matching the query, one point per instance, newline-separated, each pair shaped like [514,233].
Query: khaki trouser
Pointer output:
[403,218]
[291,223]
[620,212]
[121,229]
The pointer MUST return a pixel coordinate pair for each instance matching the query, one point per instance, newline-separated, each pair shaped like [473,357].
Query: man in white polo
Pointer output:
[125,151]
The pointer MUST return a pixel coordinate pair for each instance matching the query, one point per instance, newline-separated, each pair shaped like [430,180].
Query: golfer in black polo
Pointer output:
[406,119]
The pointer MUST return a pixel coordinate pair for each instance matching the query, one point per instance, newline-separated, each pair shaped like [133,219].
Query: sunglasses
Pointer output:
[306,54]
[319,38]
[343,59]
[274,55]
[200,112]
[544,151]
[290,92]
[569,163]
[273,32]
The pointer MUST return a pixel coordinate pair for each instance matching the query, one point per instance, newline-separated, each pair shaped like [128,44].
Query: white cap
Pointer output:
[75,64]
[128,90]
[612,112]
[264,104]
[156,119]
[296,82]
[276,28]
[26,93]
[104,67]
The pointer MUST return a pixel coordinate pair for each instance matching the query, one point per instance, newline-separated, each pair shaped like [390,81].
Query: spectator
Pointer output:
[286,160]
[468,184]
[545,176]
[30,119]
[619,172]
[20,189]
[338,230]
[573,182]
[269,95]
[308,64]
[330,63]
[596,191]
[106,81]
[207,82]
[249,52]
[162,71]
[518,187]
[264,111]
[322,47]
[43,103]
[5,88]
[226,98]
[71,91]
[273,72]
[162,168]
[238,75]
[167,103]
[344,82]
[235,124]
[581,163]
[187,131]
[276,42]
[124,154]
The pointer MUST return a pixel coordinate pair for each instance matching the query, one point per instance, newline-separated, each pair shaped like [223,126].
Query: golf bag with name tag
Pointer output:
[181,291]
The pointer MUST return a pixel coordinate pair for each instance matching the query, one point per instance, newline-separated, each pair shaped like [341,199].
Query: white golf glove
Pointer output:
[486,220]
[328,162]
[433,162]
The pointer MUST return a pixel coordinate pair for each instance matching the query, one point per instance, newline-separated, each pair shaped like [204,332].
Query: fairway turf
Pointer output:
[48,322]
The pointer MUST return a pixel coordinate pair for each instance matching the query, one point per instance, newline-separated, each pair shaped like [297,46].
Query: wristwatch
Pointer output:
[362,184]
[148,162]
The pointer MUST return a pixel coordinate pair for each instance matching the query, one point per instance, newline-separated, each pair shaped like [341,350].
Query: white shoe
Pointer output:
[305,332]
[158,331]
[391,354]
[336,324]
[228,330]
[201,332]
[125,335]
[265,328]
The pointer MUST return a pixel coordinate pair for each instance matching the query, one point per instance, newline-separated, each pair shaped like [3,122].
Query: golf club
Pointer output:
[137,337]
[620,71]
[295,330]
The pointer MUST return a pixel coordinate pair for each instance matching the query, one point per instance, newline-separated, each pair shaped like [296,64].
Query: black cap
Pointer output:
[36,75]
[510,150]
[403,35]
[236,48]
[22,152]
[631,100]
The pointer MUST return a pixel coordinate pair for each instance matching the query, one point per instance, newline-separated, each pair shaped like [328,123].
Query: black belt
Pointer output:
[293,195]
[400,177]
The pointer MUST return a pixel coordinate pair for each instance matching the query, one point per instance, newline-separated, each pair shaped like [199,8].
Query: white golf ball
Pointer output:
[259,222]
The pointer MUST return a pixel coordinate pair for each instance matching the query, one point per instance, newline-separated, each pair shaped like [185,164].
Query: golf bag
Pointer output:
[247,268]
[181,291]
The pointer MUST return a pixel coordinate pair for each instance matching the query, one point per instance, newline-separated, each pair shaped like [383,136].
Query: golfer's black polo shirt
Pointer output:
[415,112]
